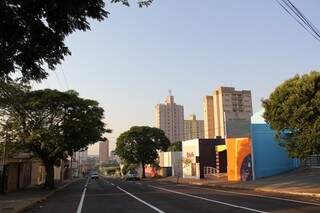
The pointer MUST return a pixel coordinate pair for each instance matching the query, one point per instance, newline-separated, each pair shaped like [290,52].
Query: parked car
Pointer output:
[94,175]
[132,175]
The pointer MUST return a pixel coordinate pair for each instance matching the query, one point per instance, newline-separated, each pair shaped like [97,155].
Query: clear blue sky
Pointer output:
[130,61]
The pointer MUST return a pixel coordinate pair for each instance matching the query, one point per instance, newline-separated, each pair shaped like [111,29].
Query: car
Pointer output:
[132,175]
[94,175]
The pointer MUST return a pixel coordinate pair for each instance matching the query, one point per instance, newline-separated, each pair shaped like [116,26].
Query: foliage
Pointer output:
[32,33]
[175,147]
[50,124]
[140,144]
[293,112]
[142,3]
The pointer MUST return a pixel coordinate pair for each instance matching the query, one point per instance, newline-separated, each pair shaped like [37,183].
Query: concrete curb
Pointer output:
[44,198]
[217,186]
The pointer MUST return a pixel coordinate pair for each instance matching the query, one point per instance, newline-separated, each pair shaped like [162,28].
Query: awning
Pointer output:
[221,148]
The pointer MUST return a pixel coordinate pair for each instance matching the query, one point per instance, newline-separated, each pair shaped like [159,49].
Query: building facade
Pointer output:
[103,152]
[193,128]
[208,117]
[227,113]
[170,118]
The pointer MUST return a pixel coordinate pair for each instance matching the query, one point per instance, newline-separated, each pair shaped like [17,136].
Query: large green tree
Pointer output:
[140,144]
[50,124]
[33,32]
[293,111]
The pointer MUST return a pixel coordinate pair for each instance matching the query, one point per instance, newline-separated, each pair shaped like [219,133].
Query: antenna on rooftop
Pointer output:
[170,92]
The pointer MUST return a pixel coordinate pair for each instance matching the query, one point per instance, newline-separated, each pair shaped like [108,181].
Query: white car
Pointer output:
[94,175]
[132,175]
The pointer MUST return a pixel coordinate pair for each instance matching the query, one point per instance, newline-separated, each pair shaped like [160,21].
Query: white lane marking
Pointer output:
[138,183]
[112,184]
[210,200]
[142,201]
[253,195]
[82,197]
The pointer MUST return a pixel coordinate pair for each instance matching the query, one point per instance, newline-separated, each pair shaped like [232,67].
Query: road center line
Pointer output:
[82,197]
[254,195]
[207,199]
[142,201]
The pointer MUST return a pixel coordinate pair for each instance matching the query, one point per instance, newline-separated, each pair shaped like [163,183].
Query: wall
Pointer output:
[19,176]
[190,150]
[269,158]
[207,153]
[38,173]
[239,159]
[172,160]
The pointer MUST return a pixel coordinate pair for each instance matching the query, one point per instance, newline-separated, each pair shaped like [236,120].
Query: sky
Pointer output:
[129,61]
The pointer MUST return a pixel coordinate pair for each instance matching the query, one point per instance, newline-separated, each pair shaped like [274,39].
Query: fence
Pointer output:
[313,161]
[209,170]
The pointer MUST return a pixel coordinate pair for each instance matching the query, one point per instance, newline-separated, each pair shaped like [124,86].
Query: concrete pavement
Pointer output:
[115,195]
[19,201]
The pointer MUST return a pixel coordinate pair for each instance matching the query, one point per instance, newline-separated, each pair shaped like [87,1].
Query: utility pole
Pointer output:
[2,167]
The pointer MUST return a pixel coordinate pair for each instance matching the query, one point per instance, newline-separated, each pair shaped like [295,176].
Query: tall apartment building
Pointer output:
[193,128]
[103,151]
[208,117]
[227,113]
[169,118]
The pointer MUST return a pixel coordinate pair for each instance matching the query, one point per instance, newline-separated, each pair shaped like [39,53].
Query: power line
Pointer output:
[300,18]
[64,77]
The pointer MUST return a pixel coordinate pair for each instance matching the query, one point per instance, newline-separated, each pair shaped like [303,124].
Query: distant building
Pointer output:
[81,156]
[103,152]
[170,164]
[227,113]
[169,118]
[193,128]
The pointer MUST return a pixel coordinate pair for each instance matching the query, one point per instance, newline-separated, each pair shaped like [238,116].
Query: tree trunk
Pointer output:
[143,171]
[49,183]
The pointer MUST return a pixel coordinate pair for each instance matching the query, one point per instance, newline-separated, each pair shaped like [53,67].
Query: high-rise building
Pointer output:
[103,151]
[169,118]
[208,117]
[193,128]
[81,156]
[227,113]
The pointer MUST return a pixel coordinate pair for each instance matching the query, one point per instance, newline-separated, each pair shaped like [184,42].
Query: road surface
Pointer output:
[115,195]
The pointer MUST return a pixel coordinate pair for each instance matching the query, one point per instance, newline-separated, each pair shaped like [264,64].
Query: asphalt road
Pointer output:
[115,195]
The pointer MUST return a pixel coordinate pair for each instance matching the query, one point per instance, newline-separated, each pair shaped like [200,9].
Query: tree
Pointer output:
[175,147]
[293,111]
[140,144]
[51,124]
[32,33]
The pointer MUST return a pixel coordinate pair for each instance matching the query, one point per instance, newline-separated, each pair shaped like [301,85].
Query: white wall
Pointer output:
[190,149]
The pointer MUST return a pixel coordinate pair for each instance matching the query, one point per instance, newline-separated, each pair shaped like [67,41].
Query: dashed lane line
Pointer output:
[140,200]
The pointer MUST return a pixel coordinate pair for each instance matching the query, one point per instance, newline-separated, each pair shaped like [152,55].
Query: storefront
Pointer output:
[200,156]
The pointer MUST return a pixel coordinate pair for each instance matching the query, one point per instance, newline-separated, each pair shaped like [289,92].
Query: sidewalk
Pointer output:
[19,201]
[301,182]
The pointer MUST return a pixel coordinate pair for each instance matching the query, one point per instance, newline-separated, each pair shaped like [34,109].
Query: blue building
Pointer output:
[268,157]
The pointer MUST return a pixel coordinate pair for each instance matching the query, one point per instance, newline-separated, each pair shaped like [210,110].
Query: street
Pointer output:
[116,195]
